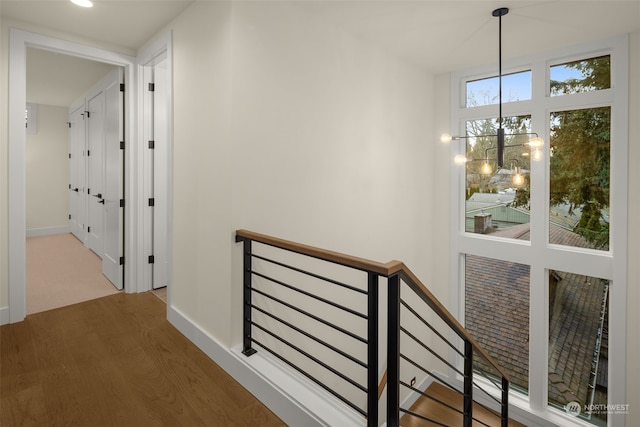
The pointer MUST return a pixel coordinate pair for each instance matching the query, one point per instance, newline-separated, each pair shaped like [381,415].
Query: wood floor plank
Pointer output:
[436,411]
[115,361]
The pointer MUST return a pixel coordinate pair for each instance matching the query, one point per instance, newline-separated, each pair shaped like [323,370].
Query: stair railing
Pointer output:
[278,318]
[404,313]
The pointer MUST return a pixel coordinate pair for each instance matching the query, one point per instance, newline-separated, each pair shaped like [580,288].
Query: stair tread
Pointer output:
[436,411]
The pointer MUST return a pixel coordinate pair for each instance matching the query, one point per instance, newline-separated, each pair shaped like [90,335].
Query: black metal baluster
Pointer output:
[393,352]
[505,403]
[468,384]
[372,350]
[247,349]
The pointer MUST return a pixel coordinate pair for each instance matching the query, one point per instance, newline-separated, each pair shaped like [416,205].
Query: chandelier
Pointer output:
[535,143]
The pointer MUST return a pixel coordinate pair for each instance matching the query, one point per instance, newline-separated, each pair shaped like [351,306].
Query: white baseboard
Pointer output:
[45,231]
[294,400]
[4,315]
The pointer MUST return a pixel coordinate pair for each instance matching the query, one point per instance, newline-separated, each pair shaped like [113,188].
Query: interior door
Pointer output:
[160,173]
[77,171]
[113,255]
[95,116]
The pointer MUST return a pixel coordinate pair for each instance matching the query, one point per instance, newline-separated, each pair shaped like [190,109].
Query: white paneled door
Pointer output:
[113,197]
[97,174]
[160,172]
[96,171]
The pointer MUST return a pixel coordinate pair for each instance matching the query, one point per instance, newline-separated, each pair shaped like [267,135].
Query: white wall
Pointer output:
[330,140]
[202,187]
[325,141]
[47,180]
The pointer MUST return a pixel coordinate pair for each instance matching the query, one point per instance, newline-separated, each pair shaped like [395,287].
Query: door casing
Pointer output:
[19,41]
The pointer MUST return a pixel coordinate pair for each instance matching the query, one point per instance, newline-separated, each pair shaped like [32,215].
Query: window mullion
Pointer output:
[538,298]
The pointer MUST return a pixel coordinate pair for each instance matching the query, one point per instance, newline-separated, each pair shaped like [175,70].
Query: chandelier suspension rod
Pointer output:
[500,154]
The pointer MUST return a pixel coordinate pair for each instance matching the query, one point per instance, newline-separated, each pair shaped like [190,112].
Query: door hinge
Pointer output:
[152,201]
[88,153]
[121,260]
[88,191]
[89,229]
[152,144]
[88,114]
[69,124]
[122,203]
[122,145]
[69,155]
[69,216]
[152,87]
[152,259]
[121,87]
[69,186]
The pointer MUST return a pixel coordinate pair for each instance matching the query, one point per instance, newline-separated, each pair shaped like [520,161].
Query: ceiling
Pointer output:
[439,36]
[448,35]
[123,24]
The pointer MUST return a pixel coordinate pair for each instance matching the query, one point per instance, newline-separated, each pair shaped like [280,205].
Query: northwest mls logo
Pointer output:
[573,408]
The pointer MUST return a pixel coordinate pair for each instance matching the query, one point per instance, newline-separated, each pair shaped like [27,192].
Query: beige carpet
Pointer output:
[61,271]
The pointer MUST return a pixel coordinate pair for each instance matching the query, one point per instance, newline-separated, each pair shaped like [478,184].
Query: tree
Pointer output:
[580,153]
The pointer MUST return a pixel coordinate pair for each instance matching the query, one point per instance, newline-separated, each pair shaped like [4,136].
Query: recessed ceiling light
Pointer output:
[82,3]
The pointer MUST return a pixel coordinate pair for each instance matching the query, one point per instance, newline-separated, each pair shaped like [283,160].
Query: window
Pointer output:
[579,179]
[497,313]
[495,199]
[578,343]
[580,76]
[515,87]
[542,259]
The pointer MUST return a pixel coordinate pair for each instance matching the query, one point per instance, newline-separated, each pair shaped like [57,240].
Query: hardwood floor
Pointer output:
[115,361]
[446,416]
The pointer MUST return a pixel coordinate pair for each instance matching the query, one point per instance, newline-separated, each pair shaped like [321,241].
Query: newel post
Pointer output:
[468,384]
[372,350]
[247,350]
[505,403]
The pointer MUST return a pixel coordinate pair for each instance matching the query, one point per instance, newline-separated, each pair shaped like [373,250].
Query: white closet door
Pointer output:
[112,260]
[160,174]
[96,172]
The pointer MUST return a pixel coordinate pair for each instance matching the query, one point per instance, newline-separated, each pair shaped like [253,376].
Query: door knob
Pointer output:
[99,195]
[101,201]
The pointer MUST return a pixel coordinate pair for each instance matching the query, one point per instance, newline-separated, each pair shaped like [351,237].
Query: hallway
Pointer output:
[62,271]
[115,361]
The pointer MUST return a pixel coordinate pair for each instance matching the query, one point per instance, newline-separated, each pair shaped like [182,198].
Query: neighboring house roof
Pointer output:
[497,315]
[493,198]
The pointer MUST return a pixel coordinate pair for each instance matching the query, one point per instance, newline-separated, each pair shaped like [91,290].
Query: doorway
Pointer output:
[156,132]
[20,41]
[74,174]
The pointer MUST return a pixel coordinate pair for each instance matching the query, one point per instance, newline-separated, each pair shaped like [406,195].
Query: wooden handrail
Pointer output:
[336,257]
[387,269]
[383,384]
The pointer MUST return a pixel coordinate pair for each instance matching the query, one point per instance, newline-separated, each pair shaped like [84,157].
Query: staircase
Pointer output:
[444,406]
[332,318]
